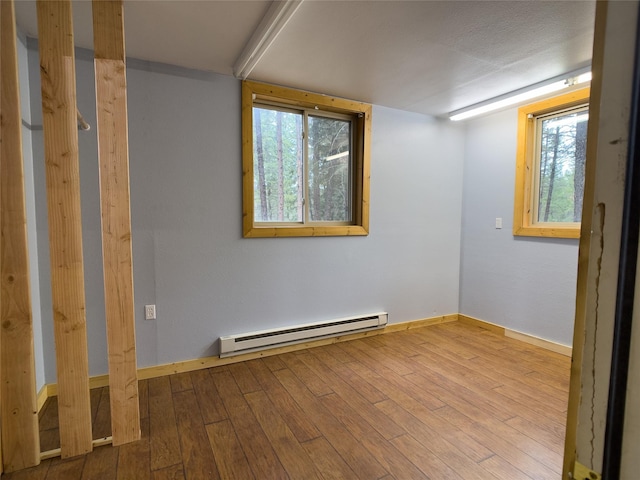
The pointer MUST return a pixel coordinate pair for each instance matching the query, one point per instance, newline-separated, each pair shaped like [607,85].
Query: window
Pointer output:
[552,139]
[305,163]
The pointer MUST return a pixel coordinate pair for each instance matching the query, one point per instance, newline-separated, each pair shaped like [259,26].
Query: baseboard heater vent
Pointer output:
[254,341]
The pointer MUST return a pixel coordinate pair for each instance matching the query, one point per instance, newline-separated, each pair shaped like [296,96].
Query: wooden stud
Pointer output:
[57,72]
[588,203]
[2,45]
[113,156]
[20,437]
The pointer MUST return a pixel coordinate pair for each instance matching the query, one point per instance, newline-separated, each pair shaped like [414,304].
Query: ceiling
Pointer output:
[430,57]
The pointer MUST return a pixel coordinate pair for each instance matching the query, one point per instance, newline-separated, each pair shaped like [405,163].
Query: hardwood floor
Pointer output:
[443,402]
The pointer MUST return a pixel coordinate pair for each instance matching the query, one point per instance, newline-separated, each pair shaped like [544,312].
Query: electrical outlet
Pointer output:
[150,312]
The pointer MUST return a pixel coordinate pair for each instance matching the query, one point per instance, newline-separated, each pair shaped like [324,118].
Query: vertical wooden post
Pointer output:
[1,82]
[57,73]
[20,437]
[113,155]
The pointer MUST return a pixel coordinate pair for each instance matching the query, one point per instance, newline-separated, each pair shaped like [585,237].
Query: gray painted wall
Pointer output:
[526,284]
[189,256]
[32,235]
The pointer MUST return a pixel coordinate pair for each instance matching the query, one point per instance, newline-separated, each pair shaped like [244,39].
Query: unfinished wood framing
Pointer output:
[57,71]
[585,244]
[20,437]
[2,45]
[599,256]
[113,155]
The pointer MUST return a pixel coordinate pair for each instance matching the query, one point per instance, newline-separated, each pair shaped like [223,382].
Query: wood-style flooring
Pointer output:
[443,402]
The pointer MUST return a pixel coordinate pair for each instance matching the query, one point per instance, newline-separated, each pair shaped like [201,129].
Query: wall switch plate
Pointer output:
[498,222]
[150,312]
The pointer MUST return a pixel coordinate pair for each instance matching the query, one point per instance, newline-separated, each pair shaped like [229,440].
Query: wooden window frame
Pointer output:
[254,92]
[523,221]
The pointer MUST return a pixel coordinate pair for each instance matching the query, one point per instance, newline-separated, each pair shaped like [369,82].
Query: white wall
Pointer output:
[525,284]
[189,256]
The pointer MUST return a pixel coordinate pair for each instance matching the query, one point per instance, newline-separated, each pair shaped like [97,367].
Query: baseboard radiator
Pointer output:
[255,341]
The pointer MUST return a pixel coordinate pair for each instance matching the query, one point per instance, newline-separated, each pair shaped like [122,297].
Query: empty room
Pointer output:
[373,239]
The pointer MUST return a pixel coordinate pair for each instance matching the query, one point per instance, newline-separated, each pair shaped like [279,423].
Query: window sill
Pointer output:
[305,231]
[547,232]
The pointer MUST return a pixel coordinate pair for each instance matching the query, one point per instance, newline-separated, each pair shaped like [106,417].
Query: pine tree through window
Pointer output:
[561,143]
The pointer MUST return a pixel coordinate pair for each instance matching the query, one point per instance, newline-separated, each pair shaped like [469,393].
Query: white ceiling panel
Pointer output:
[430,57]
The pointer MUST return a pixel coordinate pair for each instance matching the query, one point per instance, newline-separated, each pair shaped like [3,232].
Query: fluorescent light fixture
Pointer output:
[274,21]
[521,97]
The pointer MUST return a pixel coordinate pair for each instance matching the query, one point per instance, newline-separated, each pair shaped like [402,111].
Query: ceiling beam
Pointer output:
[274,21]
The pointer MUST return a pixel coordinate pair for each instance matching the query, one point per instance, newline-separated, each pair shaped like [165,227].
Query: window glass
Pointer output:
[329,169]
[277,157]
[561,154]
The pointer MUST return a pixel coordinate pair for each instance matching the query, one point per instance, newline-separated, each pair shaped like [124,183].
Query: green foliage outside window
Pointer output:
[284,177]
[562,147]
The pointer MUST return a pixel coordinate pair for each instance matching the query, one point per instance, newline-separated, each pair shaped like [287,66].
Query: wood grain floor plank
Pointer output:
[244,378]
[502,469]
[49,418]
[70,469]
[543,435]
[173,472]
[49,439]
[197,458]
[181,382]
[501,375]
[133,458]
[430,418]
[230,458]
[457,394]
[495,401]
[384,451]
[314,383]
[377,348]
[456,371]
[263,460]
[350,449]
[333,356]
[561,384]
[389,382]
[143,398]
[211,406]
[95,395]
[38,472]
[101,465]
[293,457]
[328,460]
[297,420]
[458,459]
[102,422]
[164,444]
[274,363]
[513,454]
[325,369]
[425,460]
